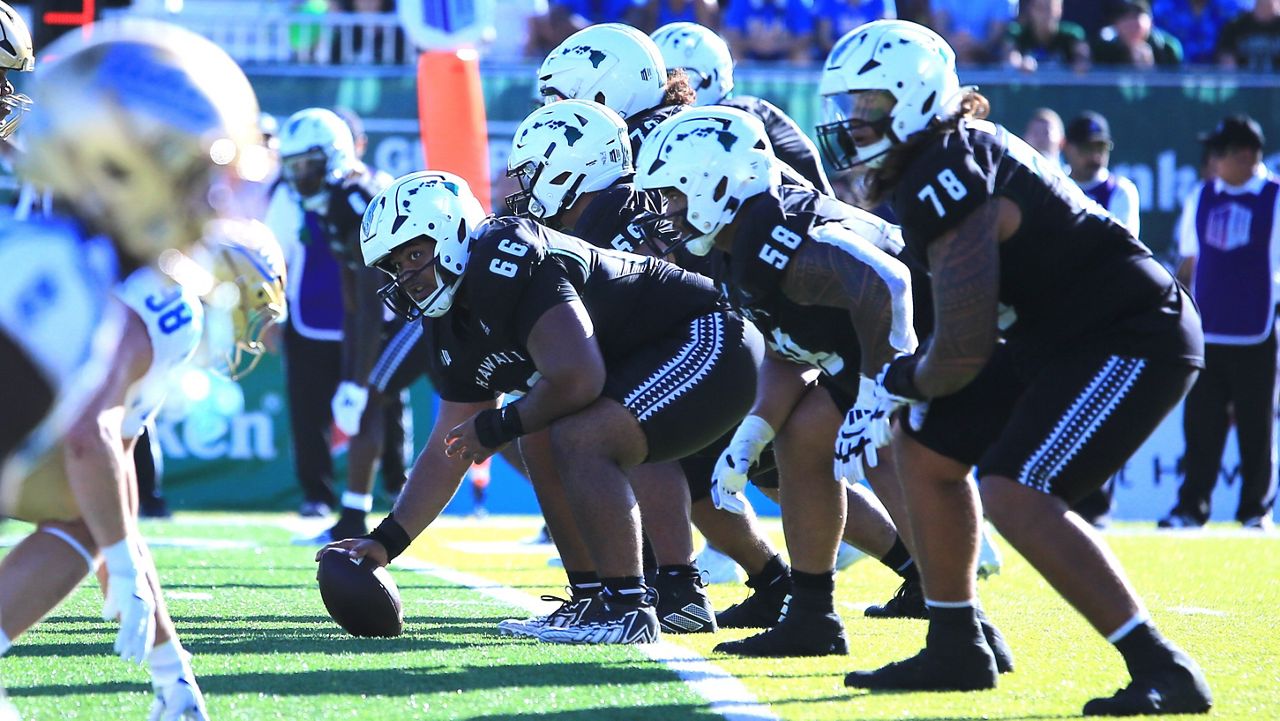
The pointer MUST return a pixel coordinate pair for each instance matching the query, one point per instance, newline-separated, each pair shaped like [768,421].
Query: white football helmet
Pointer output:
[316,149]
[146,129]
[702,54]
[427,205]
[909,61]
[563,150]
[16,55]
[717,157]
[612,64]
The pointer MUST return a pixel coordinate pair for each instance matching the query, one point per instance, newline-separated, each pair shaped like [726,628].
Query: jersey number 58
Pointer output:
[785,237]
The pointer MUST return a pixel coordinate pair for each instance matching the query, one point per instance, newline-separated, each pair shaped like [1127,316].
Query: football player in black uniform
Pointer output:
[704,58]
[320,165]
[724,190]
[625,359]
[1100,343]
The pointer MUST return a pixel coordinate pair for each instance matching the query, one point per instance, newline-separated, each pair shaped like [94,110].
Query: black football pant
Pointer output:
[1242,377]
[313,369]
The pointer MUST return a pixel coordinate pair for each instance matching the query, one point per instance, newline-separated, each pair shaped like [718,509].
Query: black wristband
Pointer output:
[498,426]
[900,378]
[391,535]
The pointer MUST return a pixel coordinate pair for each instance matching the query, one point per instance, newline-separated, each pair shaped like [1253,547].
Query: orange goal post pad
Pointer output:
[455,132]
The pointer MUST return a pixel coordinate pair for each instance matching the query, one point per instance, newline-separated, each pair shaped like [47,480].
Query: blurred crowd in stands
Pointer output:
[1027,34]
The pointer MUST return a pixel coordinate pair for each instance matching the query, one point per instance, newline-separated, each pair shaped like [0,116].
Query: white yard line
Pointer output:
[724,694]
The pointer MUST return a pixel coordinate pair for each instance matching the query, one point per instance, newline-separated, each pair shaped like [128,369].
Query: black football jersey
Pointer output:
[518,270]
[610,220]
[1069,271]
[771,228]
[347,202]
[641,124]
[789,142]
[469,367]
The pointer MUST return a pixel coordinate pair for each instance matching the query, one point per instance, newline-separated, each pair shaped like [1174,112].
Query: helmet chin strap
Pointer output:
[872,155]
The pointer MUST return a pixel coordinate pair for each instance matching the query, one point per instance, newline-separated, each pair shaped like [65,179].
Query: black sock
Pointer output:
[351,517]
[628,589]
[583,584]
[1143,648]
[813,591]
[898,559]
[775,571]
[648,560]
[953,626]
[678,570]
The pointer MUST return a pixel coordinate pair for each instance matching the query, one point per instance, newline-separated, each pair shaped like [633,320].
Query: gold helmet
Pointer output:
[248,295]
[146,130]
[15,55]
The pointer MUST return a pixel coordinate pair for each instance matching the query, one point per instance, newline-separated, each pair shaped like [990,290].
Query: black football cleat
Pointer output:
[999,647]
[761,609]
[1178,688]
[969,668]
[907,602]
[683,607]
[603,619]
[800,632]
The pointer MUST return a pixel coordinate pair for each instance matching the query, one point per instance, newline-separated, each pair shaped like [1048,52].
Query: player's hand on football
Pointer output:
[365,548]
[463,442]
[130,601]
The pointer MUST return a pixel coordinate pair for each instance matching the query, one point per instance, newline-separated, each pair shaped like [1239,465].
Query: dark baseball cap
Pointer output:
[1235,131]
[1128,7]
[1088,127]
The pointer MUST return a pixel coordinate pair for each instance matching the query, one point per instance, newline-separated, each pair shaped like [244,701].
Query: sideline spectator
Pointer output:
[1196,24]
[974,28]
[550,28]
[765,30]
[1088,152]
[1230,241]
[837,17]
[1133,40]
[1039,38]
[1091,15]
[653,14]
[1252,40]
[1044,133]
[369,43]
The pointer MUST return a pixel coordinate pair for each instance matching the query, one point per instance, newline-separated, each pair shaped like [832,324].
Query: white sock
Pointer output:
[169,662]
[357,501]
[950,604]
[5,643]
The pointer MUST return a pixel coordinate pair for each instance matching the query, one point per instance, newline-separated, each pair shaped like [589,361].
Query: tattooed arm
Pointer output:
[844,271]
[965,265]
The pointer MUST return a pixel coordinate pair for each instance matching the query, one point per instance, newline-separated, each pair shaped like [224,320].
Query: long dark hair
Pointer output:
[881,181]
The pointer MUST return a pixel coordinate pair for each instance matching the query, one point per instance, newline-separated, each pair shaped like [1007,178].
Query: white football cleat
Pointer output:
[180,701]
[716,567]
[989,562]
[847,556]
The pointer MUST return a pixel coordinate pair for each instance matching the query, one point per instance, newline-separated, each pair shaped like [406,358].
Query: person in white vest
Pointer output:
[1229,239]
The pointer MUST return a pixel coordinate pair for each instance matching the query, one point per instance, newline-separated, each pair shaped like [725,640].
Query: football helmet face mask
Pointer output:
[147,130]
[562,151]
[420,227]
[707,162]
[702,54]
[611,64]
[910,63]
[16,55]
[316,150]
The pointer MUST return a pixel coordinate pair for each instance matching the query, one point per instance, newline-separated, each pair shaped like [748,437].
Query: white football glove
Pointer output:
[348,405]
[179,701]
[854,440]
[885,404]
[130,600]
[730,475]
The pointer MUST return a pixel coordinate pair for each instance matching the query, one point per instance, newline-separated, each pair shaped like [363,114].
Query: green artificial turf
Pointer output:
[265,649]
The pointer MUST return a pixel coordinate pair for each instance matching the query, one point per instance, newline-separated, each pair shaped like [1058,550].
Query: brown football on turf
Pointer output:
[363,599]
